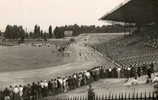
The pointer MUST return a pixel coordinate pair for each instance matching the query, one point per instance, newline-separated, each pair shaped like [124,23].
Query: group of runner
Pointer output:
[64,84]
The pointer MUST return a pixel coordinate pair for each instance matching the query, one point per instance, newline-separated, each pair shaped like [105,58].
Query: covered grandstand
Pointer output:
[139,12]
[138,49]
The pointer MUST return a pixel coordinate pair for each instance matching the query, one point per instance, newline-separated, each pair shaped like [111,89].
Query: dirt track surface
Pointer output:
[84,58]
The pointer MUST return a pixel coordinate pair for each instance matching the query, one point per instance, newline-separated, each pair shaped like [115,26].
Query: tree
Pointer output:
[7,33]
[41,34]
[26,35]
[31,34]
[21,34]
[14,32]
[50,32]
[36,31]
[45,36]
[0,33]
[59,32]
[76,30]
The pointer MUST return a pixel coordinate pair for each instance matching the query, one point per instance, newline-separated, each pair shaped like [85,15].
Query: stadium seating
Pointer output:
[129,51]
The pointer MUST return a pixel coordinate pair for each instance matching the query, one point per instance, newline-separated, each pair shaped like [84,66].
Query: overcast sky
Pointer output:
[54,12]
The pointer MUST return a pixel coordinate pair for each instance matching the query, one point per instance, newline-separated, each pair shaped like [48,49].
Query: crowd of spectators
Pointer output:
[41,89]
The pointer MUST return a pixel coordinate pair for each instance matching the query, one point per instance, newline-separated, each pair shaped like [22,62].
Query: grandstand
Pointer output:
[141,47]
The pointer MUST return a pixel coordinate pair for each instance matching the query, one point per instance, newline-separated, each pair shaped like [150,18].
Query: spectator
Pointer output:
[6,94]
[16,95]
[20,91]
[91,94]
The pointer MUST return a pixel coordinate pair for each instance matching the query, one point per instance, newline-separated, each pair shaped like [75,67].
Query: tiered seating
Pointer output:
[116,48]
[152,43]
[139,60]
[129,51]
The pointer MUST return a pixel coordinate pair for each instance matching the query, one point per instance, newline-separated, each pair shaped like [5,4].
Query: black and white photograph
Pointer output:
[78,49]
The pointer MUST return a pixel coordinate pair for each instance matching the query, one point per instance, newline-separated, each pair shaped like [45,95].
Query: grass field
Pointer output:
[16,58]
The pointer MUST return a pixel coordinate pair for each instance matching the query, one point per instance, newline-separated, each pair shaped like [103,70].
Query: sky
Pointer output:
[54,12]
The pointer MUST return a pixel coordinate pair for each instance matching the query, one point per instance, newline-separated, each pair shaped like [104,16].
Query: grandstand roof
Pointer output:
[134,11]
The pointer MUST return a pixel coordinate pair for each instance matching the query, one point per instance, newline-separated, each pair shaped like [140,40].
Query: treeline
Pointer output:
[117,28]
[18,32]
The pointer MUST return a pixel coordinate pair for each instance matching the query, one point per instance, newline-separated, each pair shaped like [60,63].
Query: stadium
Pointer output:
[116,65]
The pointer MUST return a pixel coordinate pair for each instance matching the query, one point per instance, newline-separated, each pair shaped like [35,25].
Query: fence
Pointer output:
[121,96]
